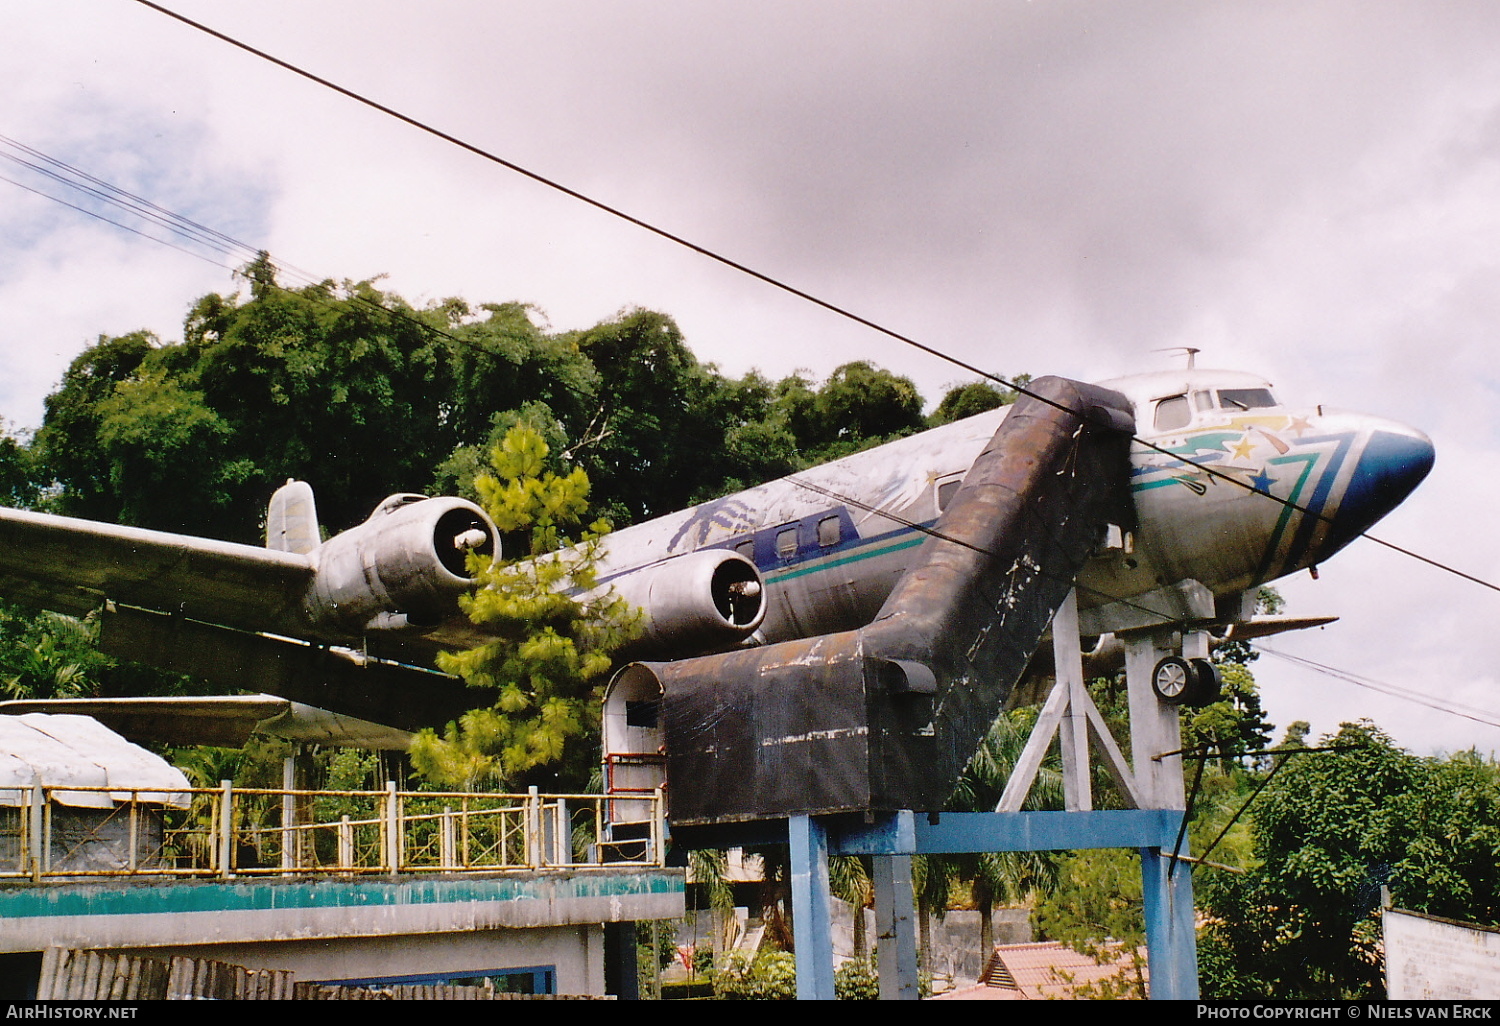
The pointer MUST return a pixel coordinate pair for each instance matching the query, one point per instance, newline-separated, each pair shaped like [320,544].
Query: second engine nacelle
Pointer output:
[403,567]
[707,599]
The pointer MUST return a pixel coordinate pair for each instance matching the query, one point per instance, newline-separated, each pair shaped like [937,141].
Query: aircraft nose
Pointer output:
[1392,462]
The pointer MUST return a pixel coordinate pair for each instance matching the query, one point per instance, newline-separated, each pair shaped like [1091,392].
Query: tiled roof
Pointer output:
[1046,969]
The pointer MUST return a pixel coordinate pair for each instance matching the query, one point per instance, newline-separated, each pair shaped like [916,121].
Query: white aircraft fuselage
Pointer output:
[1230,489]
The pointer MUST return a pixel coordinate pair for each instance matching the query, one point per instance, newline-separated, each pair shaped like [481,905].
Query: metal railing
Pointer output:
[228,832]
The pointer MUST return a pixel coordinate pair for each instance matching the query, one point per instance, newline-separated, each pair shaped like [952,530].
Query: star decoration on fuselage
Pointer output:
[1262,482]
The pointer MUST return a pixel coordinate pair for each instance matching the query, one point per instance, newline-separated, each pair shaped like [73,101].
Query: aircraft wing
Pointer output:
[226,721]
[1270,626]
[73,565]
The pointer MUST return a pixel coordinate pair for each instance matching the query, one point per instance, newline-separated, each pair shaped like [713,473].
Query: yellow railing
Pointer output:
[230,832]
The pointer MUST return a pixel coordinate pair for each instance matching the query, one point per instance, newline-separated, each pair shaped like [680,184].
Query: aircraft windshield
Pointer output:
[1245,398]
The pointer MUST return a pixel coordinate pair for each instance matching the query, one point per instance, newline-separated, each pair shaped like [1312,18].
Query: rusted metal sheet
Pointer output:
[69,975]
[886,717]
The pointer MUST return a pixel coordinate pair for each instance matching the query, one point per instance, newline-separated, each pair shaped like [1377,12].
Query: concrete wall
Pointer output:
[341,929]
[575,952]
[955,940]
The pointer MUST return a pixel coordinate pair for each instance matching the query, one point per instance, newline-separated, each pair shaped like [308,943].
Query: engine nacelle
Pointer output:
[403,567]
[703,600]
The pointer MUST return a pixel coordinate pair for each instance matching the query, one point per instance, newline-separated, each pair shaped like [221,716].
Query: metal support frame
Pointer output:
[1154,786]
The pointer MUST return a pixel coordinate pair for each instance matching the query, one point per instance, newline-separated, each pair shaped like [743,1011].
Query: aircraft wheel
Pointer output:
[1174,680]
[1207,686]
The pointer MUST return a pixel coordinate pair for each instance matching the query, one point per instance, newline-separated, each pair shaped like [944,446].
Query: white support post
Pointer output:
[289,812]
[446,840]
[226,829]
[1070,713]
[1154,727]
[1018,785]
[133,859]
[533,836]
[392,824]
[1073,730]
[35,843]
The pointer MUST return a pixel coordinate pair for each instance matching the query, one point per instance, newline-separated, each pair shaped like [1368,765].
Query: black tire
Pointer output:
[1174,680]
[1207,686]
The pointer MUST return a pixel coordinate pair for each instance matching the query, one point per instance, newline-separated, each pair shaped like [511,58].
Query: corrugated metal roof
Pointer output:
[56,751]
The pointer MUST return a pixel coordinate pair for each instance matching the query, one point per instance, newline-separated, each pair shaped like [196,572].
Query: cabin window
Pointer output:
[946,490]
[1173,413]
[1245,398]
[786,542]
[746,548]
[830,531]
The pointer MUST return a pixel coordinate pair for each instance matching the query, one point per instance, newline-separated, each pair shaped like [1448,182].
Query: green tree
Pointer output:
[1330,831]
[1097,909]
[860,405]
[48,655]
[552,632]
[976,397]
[21,484]
[768,976]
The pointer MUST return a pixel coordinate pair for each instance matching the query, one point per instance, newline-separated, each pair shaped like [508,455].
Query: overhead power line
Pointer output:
[74,178]
[1468,712]
[744,268]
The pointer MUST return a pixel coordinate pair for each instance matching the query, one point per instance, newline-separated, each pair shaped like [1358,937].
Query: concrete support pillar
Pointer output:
[895,928]
[1171,945]
[1073,730]
[1171,938]
[812,925]
[1154,726]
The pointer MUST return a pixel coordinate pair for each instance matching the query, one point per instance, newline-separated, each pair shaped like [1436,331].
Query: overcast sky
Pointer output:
[1306,190]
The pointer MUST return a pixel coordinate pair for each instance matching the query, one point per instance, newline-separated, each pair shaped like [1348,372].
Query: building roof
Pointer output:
[62,751]
[1046,969]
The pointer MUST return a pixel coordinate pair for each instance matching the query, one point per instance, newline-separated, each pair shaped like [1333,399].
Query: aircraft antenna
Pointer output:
[1191,352]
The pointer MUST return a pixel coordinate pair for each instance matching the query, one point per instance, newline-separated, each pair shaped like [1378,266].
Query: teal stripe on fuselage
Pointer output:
[904,538]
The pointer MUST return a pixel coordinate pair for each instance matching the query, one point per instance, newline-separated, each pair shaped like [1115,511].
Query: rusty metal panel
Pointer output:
[886,717]
[110,976]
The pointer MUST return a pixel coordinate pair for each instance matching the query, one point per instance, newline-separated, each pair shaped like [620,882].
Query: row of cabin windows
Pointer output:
[830,533]
[1174,412]
[831,528]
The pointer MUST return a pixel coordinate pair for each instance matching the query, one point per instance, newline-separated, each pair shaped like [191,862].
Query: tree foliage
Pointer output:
[362,394]
[1330,831]
[551,632]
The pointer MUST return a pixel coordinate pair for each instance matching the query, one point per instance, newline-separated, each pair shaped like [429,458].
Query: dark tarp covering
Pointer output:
[886,717]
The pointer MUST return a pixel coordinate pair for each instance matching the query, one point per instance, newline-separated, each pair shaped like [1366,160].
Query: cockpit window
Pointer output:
[1245,398]
[1173,413]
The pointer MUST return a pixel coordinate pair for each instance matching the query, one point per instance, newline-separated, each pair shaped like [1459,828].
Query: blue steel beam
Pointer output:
[905,833]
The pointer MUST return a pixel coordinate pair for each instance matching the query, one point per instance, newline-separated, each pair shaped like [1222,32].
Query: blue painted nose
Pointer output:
[1392,463]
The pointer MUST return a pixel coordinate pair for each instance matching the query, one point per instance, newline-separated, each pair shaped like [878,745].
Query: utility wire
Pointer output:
[1468,712]
[227,246]
[743,268]
[70,177]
